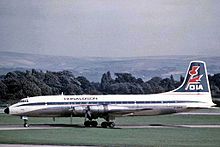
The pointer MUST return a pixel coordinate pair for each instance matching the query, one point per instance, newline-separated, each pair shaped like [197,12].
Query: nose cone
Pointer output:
[6,110]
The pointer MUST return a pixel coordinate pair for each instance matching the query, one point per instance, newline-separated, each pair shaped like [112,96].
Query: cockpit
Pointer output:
[23,101]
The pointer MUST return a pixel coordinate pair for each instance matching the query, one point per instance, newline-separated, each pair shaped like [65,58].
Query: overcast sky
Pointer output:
[111,28]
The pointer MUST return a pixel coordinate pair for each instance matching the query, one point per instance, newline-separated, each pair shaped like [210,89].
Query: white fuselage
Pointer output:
[117,105]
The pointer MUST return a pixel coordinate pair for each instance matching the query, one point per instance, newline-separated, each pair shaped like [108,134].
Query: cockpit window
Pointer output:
[22,101]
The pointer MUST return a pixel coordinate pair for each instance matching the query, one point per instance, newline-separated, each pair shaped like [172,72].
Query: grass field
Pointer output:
[117,137]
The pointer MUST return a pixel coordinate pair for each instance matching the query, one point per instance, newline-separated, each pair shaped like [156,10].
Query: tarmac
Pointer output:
[4,127]
[29,145]
[57,126]
[20,127]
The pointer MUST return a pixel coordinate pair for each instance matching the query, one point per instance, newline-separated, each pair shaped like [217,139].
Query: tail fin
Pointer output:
[196,79]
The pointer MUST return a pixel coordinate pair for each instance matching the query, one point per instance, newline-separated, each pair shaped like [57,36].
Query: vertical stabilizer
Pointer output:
[196,79]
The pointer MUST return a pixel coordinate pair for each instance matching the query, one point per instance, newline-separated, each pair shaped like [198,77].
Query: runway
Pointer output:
[32,127]
[199,113]
[168,126]
[30,145]
[58,126]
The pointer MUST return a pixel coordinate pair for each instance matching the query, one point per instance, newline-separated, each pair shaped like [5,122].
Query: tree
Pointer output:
[3,90]
[16,85]
[106,80]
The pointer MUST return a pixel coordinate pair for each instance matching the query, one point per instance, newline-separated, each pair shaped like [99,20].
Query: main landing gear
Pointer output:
[25,121]
[105,124]
[91,123]
[109,122]
[88,119]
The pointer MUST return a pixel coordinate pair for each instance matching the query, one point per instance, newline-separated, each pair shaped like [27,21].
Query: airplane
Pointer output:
[194,93]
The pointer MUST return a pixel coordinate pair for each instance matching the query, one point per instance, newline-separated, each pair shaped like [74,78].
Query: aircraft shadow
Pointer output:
[120,126]
[67,126]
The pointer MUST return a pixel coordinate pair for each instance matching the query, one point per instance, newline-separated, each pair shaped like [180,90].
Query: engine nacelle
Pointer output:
[79,110]
[97,109]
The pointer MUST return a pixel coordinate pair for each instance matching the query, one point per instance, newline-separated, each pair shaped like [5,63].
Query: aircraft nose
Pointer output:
[6,110]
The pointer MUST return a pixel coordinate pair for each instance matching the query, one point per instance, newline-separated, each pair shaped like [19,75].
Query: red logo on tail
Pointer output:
[194,79]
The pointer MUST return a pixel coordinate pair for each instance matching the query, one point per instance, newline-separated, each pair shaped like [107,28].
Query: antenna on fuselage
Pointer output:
[61,93]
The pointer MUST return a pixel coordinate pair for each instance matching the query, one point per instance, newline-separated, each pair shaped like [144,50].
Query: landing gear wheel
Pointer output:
[111,124]
[104,124]
[91,123]
[87,123]
[26,125]
[94,123]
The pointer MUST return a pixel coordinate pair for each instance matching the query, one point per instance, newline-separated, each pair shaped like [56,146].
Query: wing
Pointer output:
[114,110]
[144,111]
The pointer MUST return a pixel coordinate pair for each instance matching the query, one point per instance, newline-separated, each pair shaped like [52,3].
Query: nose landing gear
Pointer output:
[25,121]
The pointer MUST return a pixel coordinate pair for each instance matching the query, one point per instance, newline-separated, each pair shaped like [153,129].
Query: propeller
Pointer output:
[71,118]
[88,113]
[71,115]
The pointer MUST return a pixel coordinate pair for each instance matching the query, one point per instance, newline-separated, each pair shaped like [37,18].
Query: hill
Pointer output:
[93,68]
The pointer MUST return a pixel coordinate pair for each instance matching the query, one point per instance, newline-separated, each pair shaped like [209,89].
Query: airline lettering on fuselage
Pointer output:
[81,98]
[194,79]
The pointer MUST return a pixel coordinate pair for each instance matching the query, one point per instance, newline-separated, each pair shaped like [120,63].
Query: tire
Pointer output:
[111,124]
[87,124]
[94,123]
[26,125]
[104,124]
